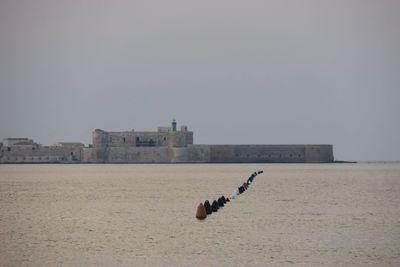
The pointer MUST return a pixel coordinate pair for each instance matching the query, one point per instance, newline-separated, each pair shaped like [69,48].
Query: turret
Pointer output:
[173,125]
[99,138]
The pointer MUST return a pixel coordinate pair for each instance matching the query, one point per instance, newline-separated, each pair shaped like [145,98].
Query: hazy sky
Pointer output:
[235,72]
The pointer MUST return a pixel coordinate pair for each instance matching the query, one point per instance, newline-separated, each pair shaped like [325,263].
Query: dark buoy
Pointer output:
[207,206]
[251,178]
[201,212]
[214,206]
[245,185]
[220,202]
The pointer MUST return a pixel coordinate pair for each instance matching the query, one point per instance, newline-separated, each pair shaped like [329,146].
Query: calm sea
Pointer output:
[144,215]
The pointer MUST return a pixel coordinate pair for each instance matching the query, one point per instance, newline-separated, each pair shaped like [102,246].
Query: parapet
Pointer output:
[69,144]
[163,129]
[9,142]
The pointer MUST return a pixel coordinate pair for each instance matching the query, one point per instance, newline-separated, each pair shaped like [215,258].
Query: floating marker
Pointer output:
[214,206]
[207,206]
[245,185]
[223,199]
[220,202]
[201,212]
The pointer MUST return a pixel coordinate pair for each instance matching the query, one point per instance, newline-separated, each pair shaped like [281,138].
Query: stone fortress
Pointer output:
[166,145]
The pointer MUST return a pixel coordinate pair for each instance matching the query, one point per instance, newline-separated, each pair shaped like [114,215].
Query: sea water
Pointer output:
[135,215]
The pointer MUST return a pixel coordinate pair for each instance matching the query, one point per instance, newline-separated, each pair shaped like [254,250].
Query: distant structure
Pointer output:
[166,145]
[24,150]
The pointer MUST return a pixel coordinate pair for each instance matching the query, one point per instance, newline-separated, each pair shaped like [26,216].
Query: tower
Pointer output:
[173,125]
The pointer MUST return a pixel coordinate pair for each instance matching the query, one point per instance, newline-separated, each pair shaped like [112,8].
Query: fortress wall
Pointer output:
[271,153]
[93,155]
[212,154]
[40,154]
[189,154]
[257,153]
[198,153]
[139,155]
[319,153]
[192,154]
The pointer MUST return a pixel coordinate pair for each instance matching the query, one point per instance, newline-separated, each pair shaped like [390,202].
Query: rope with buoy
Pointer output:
[207,209]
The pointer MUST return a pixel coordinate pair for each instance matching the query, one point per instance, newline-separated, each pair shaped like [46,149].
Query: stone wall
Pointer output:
[128,155]
[212,154]
[271,153]
[257,153]
[139,155]
[319,153]
[189,154]
[40,154]
[94,155]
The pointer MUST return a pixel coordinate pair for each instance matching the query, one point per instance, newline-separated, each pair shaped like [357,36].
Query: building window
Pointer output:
[123,139]
[33,148]
[8,148]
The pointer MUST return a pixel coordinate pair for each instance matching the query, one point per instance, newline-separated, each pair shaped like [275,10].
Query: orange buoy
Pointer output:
[201,212]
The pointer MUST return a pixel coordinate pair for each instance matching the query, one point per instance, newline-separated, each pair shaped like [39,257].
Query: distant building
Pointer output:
[17,142]
[166,145]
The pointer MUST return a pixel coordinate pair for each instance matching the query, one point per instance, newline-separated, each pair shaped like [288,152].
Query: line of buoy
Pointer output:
[206,209]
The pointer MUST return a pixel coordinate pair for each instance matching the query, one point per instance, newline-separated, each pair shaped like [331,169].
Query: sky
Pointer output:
[234,72]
